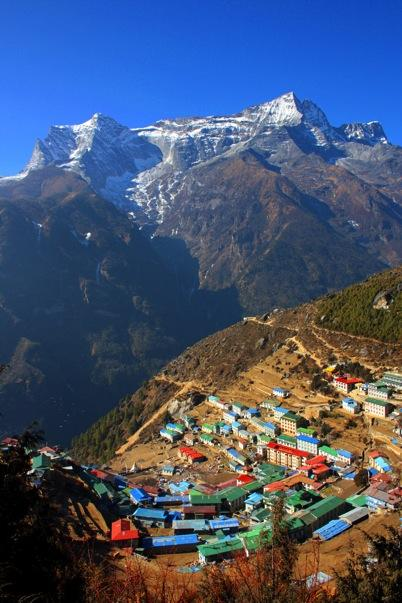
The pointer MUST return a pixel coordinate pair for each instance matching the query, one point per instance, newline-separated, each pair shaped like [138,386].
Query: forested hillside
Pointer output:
[370,309]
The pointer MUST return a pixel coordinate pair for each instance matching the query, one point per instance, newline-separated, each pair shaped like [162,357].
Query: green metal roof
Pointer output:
[322,507]
[207,437]
[357,500]
[255,538]
[291,416]
[378,402]
[261,514]
[221,547]
[231,494]
[328,450]
[253,486]
[307,430]
[41,461]
[287,438]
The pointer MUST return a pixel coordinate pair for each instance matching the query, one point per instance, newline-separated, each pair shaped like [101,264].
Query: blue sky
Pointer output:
[139,61]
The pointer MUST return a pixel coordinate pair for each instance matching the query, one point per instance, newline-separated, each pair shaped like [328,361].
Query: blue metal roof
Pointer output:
[345,453]
[281,410]
[332,529]
[308,439]
[254,498]
[139,495]
[179,487]
[168,541]
[268,424]
[382,463]
[172,499]
[221,524]
[145,513]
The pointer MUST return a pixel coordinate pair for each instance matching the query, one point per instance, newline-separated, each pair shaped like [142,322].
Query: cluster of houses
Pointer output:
[378,394]
[273,454]
[244,437]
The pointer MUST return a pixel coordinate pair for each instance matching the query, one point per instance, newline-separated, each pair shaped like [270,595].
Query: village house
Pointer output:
[172,500]
[379,390]
[287,440]
[270,404]
[151,517]
[379,408]
[220,550]
[189,439]
[279,392]
[283,455]
[344,456]
[330,454]
[168,470]
[190,526]
[279,411]
[207,428]
[351,406]
[199,511]
[393,379]
[230,416]
[379,462]
[188,421]
[228,525]
[191,455]
[140,497]
[236,456]
[308,431]
[207,439]
[253,501]
[123,534]
[346,384]
[171,436]
[307,443]
[236,426]
[289,422]
[251,412]
[178,427]
[167,545]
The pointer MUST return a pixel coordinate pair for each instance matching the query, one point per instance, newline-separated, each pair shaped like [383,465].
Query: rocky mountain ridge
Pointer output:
[139,168]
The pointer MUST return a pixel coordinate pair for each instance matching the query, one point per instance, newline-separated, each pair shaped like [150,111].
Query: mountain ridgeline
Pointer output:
[121,246]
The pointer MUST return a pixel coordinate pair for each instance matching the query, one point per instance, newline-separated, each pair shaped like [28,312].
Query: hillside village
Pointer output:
[218,470]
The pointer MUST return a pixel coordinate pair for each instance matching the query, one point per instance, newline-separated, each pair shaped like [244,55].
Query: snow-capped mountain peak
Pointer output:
[141,168]
[371,132]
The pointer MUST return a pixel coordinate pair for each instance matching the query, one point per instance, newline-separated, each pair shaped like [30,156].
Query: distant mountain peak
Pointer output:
[370,132]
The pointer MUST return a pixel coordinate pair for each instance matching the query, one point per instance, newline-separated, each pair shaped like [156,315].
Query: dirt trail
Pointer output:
[184,388]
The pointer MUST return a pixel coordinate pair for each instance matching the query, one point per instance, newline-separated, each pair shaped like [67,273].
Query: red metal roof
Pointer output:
[10,442]
[123,530]
[288,450]
[317,460]
[320,469]
[100,474]
[245,479]
[349,380]
[191,452]
[206,509]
